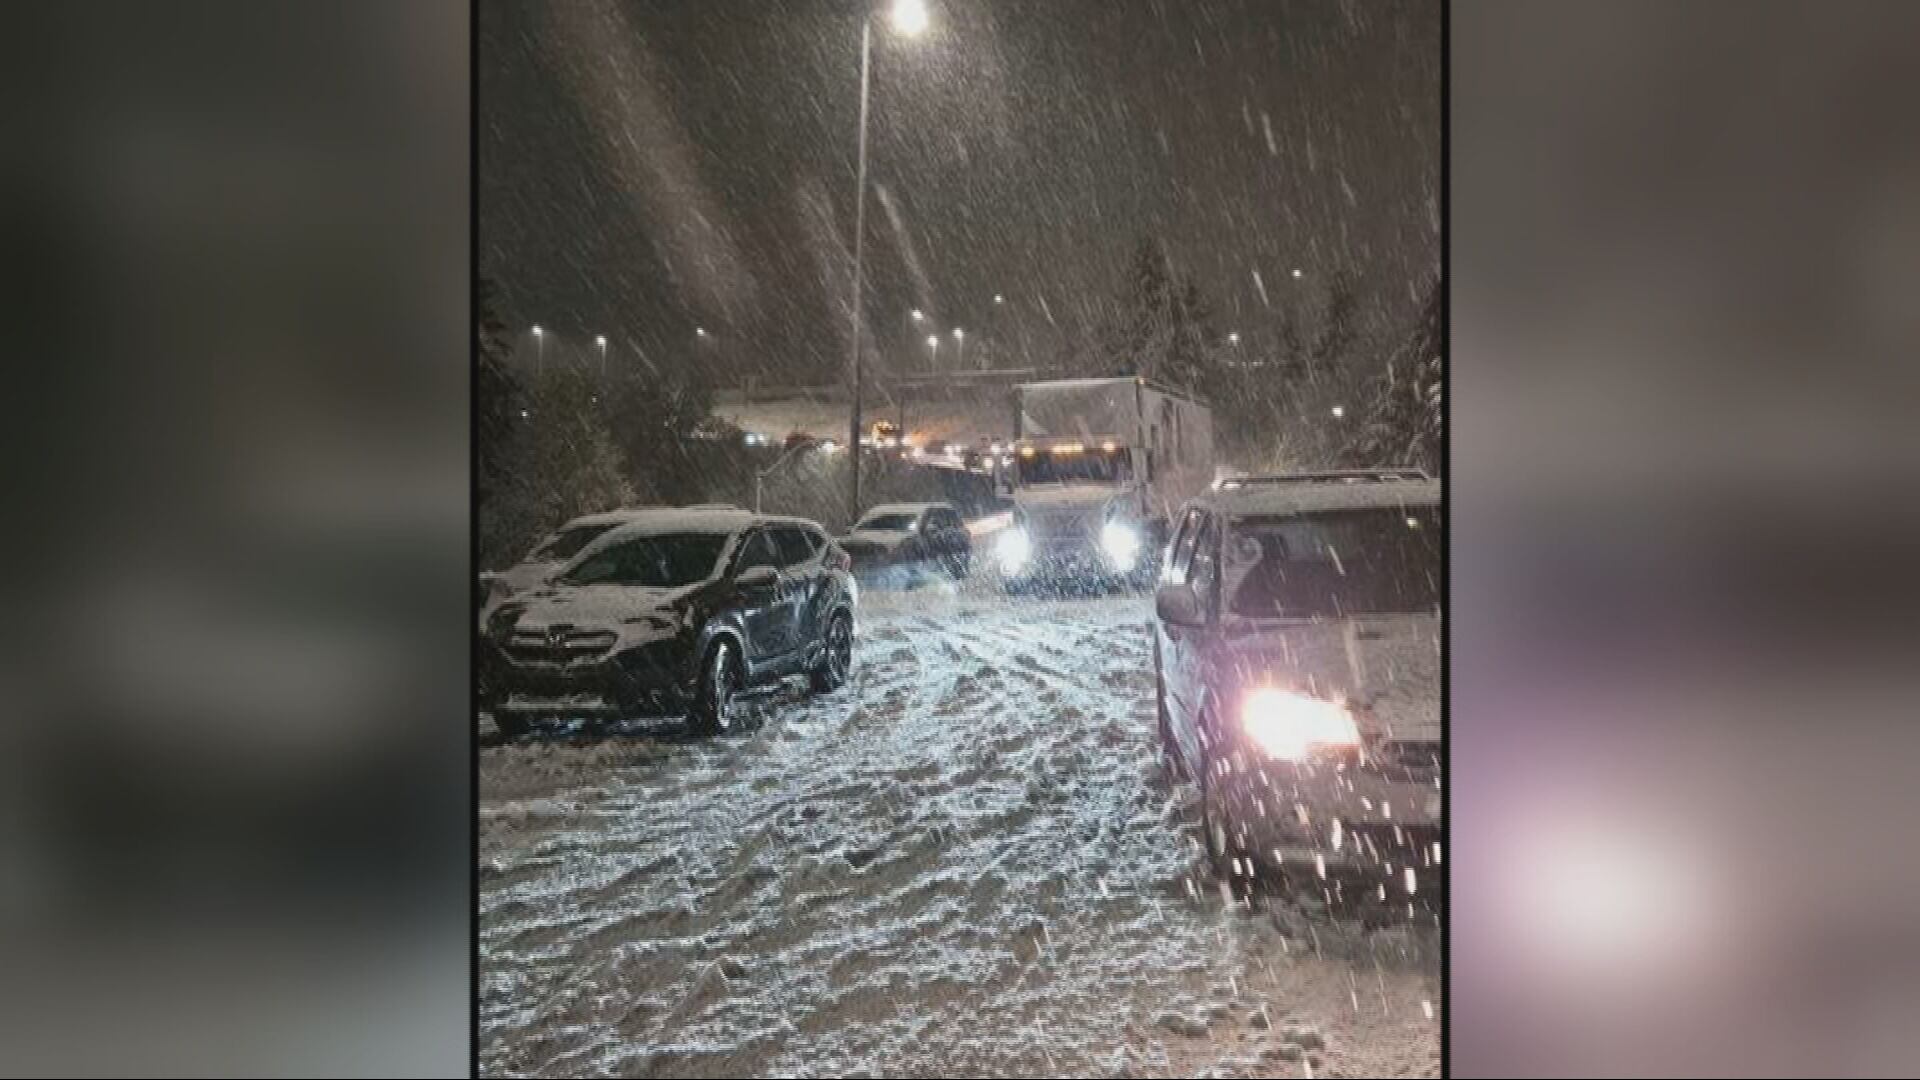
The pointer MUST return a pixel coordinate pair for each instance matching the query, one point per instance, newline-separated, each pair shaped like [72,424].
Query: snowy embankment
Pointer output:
[967,863]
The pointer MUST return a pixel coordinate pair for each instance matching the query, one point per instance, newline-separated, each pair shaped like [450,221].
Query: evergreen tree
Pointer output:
[1406,416]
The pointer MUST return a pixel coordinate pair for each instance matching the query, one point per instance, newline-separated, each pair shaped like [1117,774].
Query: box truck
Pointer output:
[1099,468]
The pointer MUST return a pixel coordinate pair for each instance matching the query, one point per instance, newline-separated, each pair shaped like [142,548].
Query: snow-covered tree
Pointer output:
[1406,416]
[558,462]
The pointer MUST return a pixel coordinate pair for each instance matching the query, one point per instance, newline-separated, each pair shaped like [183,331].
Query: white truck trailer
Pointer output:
[1099,468]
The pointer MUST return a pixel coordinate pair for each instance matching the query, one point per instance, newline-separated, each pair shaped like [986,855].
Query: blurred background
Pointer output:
[235,799]
[1685,257]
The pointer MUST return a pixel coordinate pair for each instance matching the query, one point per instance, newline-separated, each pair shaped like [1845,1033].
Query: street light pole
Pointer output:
[859,246]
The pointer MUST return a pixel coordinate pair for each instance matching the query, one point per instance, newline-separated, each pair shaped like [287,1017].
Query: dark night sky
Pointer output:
[651,166]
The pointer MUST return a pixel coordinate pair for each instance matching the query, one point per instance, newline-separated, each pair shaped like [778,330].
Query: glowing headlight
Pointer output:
[1013,549]
[1291,726]
[1121,543]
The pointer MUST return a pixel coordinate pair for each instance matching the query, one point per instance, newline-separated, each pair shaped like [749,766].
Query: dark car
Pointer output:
[674,613]
[901,543]
[1297,655]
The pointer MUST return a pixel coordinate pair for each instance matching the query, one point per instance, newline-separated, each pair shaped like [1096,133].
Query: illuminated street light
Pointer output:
[701,331]
[1339,411]
[918,315]
[1233,338]
[910,17]
[539,348]
[909,20]
[1296,271]
[998,299]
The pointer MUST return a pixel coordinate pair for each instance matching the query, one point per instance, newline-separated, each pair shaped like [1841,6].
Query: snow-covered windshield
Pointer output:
[665,561]
[1095,466]
[889,522]
[1346,562]
[567,543]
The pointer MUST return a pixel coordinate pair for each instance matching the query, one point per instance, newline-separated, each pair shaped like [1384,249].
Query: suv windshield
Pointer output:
[568,542]
[664,561]
[1346,562]
[1082,467]
[888,522]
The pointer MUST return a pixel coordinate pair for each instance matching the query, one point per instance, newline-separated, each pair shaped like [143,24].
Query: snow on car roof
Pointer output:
[900,508]
[1308,498]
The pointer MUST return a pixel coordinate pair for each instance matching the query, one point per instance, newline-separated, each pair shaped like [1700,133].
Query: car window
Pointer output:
[949,519]
[569,542]
[1181,550]
[1203,573]
[758,551]
[651,561]
[1336,563]
[815,539]
[793,546]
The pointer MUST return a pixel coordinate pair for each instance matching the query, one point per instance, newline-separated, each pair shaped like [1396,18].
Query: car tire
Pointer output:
[1230,858]
[721,679]
[836,655]
[511,725]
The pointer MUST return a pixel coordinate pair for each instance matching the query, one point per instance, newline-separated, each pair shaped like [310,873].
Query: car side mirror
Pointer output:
[757,577]
[1177,605]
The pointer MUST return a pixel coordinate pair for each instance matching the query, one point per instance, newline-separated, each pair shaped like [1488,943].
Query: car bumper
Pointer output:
[1064,567]
[1350,819]
[640,681]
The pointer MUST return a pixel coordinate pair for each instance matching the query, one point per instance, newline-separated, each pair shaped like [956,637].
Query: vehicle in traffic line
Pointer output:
[558,547]
[1297,655]
[683,612]
[1098,468]
[904,543]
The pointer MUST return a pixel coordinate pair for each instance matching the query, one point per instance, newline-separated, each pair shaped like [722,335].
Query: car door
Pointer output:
[802,581]
[1176,640]
[953,533]
[761,608]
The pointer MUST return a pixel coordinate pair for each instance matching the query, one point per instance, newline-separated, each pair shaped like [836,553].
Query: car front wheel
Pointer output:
[836,657]
[715,707]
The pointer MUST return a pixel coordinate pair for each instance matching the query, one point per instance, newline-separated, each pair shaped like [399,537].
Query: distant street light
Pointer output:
[539,348]
[1339,411]
[910,20]
[1296,271]
[933,352]
[701,331]
[1233,338]
[960,357]
[601,340]
[998,299]
[918,315]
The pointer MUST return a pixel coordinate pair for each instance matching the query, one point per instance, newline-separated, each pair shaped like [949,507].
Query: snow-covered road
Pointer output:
[967,863]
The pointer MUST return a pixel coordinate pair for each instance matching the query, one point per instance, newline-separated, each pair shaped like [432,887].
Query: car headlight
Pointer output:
[1013,549]
[1121,542]
[1292,726]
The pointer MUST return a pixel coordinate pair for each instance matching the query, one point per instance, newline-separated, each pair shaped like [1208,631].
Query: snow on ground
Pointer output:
[966,863]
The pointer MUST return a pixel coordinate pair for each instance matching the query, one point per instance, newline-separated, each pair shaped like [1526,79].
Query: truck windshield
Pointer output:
[1347,562]
[1095,466]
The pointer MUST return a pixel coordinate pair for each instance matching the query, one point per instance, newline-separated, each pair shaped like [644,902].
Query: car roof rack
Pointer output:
[1331,476]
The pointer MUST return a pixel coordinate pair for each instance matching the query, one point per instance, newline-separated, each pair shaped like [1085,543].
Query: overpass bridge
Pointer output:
[955,407]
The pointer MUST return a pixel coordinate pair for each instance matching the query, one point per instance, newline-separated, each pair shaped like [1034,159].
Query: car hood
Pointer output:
[633,611]
[874,539]
[1387,667]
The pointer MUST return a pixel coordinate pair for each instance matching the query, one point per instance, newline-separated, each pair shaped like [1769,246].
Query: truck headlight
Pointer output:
[1013,549]
[1121,542]
[1292,726]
